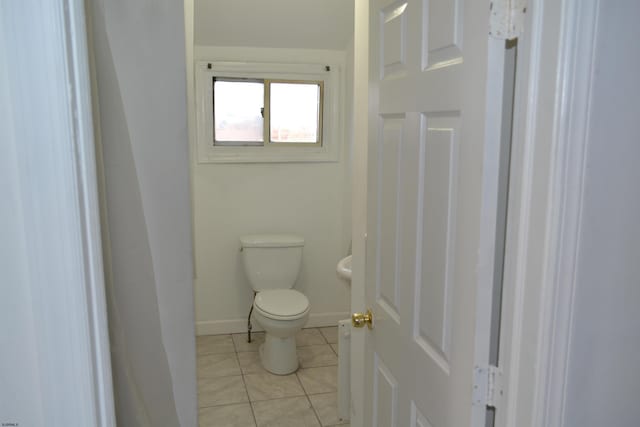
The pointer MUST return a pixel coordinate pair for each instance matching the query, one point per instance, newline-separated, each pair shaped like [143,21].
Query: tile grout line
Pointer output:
[308,399]
[325,338]
[223,404]
[314,410]
[219,376]
[304,390]
[246,389]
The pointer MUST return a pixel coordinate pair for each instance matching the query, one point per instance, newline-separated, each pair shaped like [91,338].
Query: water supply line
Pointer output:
[249,327]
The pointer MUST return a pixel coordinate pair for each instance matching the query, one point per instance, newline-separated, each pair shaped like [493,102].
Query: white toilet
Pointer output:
[272,264]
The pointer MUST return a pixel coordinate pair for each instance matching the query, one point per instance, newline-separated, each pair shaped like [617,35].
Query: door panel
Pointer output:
[385,396]
[393,37]
[442,33]
[433,286]
[427,114]
[417,419]
[389,149]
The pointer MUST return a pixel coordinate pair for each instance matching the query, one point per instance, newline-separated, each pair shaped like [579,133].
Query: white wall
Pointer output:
[139,57]
[312,199]
[301,24]
[603,383]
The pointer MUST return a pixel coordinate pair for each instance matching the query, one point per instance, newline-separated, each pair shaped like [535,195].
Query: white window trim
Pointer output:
[332,112]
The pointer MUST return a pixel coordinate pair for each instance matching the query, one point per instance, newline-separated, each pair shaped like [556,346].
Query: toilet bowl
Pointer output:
[282,313]
[272,264]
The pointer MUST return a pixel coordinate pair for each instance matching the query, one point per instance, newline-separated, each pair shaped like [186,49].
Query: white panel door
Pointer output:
[427,198]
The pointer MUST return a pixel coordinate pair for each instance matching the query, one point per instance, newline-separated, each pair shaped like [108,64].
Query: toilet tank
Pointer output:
[272,261]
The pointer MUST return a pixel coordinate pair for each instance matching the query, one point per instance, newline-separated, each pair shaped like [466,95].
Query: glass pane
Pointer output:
[294,113]
[237,111]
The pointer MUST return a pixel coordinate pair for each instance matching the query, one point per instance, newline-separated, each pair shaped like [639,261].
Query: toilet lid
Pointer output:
[282,302]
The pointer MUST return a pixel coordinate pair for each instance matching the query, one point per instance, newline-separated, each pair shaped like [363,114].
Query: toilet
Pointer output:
[272,264]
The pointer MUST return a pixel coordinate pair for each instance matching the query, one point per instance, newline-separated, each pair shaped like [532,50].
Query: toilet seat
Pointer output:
[282,304]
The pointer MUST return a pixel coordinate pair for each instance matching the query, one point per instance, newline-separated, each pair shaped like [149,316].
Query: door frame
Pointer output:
[550,108]
[60,211]
[359,200]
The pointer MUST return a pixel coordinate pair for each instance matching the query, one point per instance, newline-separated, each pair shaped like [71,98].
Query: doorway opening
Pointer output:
[248,187]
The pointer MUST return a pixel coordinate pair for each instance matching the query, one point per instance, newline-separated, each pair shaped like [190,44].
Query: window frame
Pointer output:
[327,75]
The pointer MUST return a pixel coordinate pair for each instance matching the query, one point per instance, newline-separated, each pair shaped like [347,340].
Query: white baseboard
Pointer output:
[237,326]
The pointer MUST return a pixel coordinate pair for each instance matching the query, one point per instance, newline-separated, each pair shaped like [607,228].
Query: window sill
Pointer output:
[267,155]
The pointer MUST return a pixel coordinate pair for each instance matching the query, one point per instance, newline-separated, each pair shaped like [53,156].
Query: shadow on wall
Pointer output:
[142,380]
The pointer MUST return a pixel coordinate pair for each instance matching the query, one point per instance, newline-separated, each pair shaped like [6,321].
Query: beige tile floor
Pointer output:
[234,390]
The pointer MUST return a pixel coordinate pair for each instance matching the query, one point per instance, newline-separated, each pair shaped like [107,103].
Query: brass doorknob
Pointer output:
[358,320]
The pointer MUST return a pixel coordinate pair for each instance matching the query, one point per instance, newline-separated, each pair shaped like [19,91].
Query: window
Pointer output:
[258,112]
[265,112]
[238,112]
[295,112]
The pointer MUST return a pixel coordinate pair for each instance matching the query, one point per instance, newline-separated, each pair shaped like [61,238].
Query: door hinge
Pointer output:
[506,21]
[487,386]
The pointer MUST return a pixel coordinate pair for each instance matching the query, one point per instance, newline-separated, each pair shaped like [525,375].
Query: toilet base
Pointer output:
[279,355]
